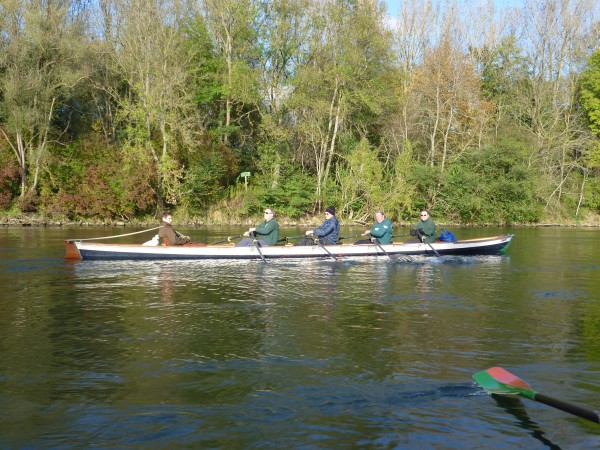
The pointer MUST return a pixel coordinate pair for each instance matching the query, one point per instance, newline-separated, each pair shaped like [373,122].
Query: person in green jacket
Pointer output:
[381,230]
[267,233]
[424,230]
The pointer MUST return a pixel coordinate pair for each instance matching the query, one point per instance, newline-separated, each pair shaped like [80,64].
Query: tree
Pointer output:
[453,114]
[558,35]
[42,51]
[231,24]
[148,48]
[341,86]
[589,93]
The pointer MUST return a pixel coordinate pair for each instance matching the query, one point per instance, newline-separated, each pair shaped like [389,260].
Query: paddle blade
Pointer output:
[499,381]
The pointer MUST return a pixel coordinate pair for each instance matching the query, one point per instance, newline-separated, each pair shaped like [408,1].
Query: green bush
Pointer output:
[493,185]
[293,196]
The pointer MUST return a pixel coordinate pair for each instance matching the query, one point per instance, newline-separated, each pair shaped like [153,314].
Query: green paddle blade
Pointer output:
[499,381]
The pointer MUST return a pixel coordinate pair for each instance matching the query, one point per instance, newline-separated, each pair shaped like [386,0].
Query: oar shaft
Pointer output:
[382,249]
[328,252]
[287,238]
[434,250]
[257,246]
[576,410]
[229,238]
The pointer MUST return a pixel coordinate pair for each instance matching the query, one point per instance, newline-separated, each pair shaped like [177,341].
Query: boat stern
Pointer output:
[72,252]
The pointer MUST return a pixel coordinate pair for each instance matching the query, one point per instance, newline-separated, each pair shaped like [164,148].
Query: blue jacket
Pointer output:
[329,231]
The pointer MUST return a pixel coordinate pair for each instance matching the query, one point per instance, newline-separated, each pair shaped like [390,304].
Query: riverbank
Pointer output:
[32,220]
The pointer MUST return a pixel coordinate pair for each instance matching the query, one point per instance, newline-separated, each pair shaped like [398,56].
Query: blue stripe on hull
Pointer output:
[95,255]
[106,255]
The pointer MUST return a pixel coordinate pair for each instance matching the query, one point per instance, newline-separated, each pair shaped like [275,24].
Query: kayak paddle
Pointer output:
[499,381]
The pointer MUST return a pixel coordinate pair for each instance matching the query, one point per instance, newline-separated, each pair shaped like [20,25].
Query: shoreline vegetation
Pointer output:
[484,116]
[29,220]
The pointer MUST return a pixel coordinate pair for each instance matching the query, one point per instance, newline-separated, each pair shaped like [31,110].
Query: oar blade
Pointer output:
[499,381]
[487,382]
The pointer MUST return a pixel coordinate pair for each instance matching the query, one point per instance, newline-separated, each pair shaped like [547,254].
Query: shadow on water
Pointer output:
[455,390]
[514,406]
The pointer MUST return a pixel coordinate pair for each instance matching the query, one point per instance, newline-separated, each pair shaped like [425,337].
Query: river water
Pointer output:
[296,354]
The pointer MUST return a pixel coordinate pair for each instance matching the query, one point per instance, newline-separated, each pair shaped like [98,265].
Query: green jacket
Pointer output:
[428,230]
[268,231]
[382,231]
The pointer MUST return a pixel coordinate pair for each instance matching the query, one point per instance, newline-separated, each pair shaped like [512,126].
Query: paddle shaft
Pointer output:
[227,240]
[287,238]
[348,237]
[257,246]
[576,410]
[328,252]
[434,250]
[376,242]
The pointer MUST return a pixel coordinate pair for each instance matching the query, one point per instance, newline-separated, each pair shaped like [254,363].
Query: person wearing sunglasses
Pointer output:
[424,230]
[327,232]
[267,232]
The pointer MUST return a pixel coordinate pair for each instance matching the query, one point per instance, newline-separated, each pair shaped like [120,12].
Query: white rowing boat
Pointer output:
[80,249]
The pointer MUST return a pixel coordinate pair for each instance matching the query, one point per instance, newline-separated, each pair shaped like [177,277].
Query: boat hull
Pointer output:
[97,251]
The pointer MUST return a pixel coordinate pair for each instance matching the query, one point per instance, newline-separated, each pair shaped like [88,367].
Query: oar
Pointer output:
[287,238]
[348,237]
[419,232]
[323,247]
[499,381]
[434,250]
[376,242]
[229,238]
[257,246]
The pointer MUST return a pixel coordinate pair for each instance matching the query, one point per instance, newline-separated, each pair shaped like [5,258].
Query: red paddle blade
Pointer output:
[505,377]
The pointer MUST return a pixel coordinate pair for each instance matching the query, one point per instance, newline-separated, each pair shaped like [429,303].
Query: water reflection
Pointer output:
[514,406]
[367,353]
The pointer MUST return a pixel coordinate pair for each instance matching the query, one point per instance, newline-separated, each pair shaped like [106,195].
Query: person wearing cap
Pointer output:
[267,233]
[327,233]
[381,231]
[424,230]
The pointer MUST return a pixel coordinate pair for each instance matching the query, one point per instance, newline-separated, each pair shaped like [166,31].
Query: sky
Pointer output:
[393,5]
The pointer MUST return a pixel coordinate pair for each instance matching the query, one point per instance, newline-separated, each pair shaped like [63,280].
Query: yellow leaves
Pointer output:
[172,176]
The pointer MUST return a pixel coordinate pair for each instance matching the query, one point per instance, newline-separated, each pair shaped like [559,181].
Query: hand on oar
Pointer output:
[499,381]
[229,238]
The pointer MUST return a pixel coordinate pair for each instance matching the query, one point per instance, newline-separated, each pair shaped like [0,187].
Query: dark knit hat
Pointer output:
[331,210]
